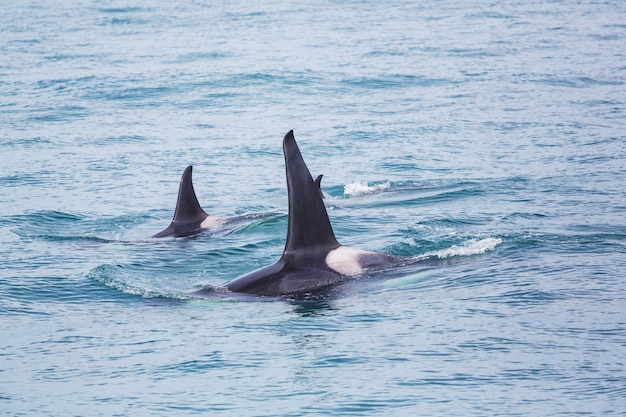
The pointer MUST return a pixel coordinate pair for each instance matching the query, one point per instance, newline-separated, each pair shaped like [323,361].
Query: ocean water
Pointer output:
[486,139]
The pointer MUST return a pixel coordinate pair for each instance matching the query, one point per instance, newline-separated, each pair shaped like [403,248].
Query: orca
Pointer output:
[312,259]
[189,218]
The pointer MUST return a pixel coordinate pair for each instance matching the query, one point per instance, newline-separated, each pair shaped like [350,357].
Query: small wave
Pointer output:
[358,188]
[120,10]
[62,226]
[112,277]
[530,297]
[469,248]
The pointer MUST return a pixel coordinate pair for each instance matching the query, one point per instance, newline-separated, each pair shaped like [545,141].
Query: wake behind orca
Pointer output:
[313,258]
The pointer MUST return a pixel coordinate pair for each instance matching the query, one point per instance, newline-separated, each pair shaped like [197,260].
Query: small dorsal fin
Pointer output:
[318,184]
[188,214]
[318,181]
[309,227]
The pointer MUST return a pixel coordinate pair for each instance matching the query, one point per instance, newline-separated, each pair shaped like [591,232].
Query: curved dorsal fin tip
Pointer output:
[187,173]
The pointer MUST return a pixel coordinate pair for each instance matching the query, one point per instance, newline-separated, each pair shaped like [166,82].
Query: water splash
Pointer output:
[468,248]
[359,188]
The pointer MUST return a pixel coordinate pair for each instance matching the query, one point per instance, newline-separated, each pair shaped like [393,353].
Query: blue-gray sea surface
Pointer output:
[487,138]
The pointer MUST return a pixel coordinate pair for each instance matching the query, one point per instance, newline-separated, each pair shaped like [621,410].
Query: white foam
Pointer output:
[357,188]
[469,248]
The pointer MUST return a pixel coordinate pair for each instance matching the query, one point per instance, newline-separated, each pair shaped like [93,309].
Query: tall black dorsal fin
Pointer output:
[309,227]
[188,214]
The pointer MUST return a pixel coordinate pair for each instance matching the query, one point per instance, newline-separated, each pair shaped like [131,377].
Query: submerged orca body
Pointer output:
[312,258]
[189,218]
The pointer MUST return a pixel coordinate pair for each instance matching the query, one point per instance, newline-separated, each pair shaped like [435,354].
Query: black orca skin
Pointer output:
[312,258]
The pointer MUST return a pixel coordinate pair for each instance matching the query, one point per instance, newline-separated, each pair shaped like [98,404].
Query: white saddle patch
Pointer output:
[348,261]
[212,223]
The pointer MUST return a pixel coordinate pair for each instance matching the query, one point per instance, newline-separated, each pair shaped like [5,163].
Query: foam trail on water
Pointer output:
[357,188]
[469,248]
